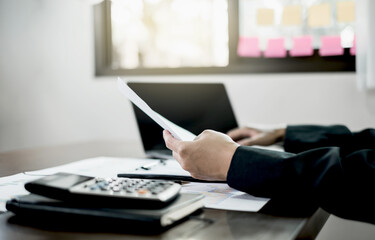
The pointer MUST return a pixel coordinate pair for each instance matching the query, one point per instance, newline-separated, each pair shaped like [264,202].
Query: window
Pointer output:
[144,35]
[221,36]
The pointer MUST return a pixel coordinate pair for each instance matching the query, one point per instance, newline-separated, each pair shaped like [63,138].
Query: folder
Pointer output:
[37,208]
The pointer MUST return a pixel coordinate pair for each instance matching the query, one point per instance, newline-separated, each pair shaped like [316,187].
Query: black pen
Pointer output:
[177,178]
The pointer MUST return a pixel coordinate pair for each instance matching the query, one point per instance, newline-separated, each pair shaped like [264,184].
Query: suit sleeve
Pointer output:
[301,138]
[340,181]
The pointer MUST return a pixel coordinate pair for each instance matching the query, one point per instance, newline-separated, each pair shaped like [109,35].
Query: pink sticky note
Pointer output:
[331,46]
[275,48]
[248,47]
[302,46]
[353,50]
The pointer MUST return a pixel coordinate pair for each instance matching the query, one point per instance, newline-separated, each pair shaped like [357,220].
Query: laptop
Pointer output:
[193,106]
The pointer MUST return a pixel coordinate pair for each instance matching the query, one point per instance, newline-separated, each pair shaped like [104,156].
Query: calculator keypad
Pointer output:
[160,190]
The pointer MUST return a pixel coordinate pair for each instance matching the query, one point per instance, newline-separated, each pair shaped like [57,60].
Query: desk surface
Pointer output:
[210,224]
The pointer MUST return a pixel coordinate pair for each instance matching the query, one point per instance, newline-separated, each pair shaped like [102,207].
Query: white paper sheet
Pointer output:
[13,186]
[218,196]
[97,167]
[221,196]
[177,131]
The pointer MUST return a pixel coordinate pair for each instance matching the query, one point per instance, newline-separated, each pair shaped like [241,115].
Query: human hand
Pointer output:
[251,136]
[208,157]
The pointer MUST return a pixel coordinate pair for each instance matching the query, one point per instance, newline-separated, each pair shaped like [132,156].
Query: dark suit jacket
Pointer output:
[329,166]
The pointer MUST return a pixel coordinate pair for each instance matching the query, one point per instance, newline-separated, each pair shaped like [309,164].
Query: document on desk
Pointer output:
[177,131]
[221,196]
[218,196]
[11,186]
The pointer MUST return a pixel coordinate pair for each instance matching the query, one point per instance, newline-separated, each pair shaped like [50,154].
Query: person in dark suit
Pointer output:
[327,165]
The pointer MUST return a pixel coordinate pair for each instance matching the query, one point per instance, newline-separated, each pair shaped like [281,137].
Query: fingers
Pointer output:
[178,148]
[238,133]
[170,141]
[246,142]
[203,134]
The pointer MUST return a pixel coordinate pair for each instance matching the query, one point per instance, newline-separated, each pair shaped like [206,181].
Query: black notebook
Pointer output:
[42,208]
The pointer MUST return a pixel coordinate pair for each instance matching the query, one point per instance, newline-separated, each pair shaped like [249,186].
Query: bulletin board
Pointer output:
[296,28]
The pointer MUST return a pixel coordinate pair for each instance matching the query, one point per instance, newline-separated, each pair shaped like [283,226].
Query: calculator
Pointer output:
[106,192]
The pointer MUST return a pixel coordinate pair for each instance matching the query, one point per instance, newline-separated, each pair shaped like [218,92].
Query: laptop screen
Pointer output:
[193,106]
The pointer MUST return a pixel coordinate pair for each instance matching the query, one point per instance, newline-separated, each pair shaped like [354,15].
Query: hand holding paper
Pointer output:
[177,131]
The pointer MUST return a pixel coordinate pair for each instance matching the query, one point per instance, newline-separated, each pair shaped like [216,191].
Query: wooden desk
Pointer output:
[267,224]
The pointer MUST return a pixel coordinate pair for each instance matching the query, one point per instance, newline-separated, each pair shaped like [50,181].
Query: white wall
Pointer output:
[49,94]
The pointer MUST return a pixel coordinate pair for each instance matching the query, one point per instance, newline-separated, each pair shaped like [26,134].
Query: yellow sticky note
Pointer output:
[319,15]
[346,11]
[292,15]
[265,16]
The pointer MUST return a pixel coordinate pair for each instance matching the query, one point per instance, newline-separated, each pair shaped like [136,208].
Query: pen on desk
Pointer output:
[150,165]
[176,178]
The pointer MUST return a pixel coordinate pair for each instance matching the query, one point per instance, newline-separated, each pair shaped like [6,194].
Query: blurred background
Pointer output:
[59,60]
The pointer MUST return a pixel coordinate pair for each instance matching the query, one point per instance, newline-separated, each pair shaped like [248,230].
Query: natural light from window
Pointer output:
[169,33]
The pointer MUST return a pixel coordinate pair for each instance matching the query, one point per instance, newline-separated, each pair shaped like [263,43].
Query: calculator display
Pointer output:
[63,180]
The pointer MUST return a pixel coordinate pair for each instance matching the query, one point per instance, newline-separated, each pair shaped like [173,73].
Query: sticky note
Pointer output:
[331,46]
[353,50]
[319,15]
[292,15]
[346,11]
[275,48]
[265,16]
[302,46]
[248,47]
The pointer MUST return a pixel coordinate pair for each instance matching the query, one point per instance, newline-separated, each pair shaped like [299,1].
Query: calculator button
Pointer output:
[142,191]
[104,188]
[157,190]
[129,190]
[99,179]
[116,189]
[93,188]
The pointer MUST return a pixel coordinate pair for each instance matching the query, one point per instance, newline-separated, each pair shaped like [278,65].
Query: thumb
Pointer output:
[171,142]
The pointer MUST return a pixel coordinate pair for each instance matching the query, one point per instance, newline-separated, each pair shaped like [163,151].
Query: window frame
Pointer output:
[236,64]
